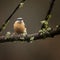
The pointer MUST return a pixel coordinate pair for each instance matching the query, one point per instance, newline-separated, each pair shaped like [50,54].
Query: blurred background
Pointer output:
[33,12]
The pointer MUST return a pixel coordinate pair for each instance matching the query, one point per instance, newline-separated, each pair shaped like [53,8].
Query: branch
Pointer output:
[50,9]
[30,37]
[48,15]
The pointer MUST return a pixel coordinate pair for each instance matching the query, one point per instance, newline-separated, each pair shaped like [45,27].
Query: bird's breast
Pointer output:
[19,27]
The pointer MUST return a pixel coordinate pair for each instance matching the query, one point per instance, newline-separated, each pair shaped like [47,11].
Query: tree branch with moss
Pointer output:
[30,37]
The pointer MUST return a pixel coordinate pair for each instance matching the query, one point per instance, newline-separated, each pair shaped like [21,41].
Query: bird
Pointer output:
[19,26]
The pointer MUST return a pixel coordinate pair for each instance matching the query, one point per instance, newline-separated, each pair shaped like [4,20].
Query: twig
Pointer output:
[50,9]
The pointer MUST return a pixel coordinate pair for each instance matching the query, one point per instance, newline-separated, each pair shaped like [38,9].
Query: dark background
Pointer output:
[33,12]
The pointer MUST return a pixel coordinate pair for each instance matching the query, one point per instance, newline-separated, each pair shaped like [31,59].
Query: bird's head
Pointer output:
[20,20]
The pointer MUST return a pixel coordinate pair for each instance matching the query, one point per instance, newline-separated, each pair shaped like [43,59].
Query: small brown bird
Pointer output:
[19,26]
